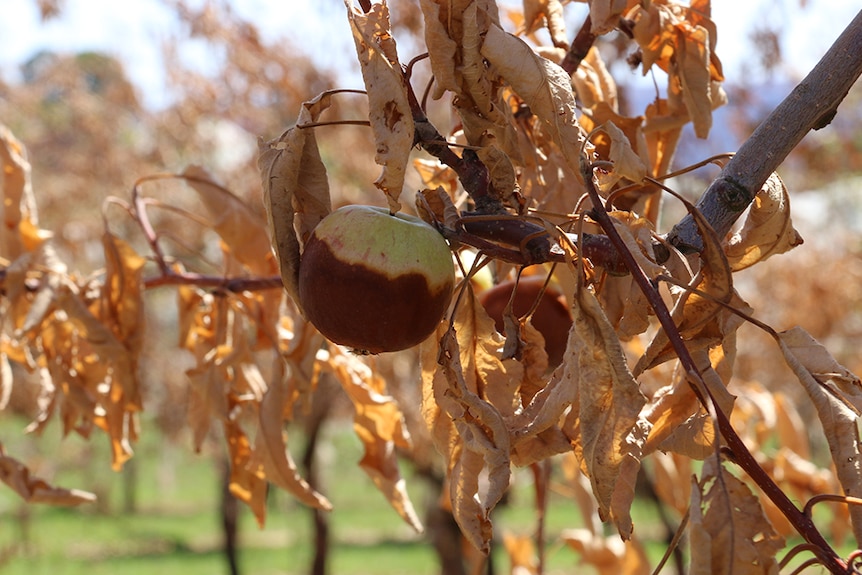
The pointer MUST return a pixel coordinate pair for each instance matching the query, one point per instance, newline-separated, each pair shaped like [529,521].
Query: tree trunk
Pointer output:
[229,518]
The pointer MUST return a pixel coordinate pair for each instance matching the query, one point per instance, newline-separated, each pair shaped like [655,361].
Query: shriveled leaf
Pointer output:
[612,433]
[605,15]
[767,229]
[467,393]
[522,554]
[245,485]
[389,110]
[19,202]
[594,84]
[816,369]
[295,190]
[108,371]
[271,459]
[627,163]
[608,555]
[35,490]
[123,292]
[693,61]
[725,516]
[239,227]
[550,14]
[380,426]
[544,86]
[485,447]
[697,317]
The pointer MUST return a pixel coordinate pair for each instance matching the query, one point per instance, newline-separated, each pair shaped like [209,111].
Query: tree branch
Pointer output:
[810,106]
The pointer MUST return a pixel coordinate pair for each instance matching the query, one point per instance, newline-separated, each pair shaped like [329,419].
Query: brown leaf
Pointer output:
[271,459]
[389,110]
[295,190]
[612,432]
[35,490]
[544,86]
[700,319]
[19,202]
[549,13]
[594,84]
[725,516]
[815,369]
[605,15]
[380,426]
[767,229]
[238,226]
[245,485]
[463,381]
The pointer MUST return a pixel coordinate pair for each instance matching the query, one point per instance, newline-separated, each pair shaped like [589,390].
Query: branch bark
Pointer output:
[810,106]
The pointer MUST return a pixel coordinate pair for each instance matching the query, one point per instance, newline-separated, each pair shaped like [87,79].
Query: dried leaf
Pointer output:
[19,202]
[815,368]
[594,84]
[522,554]
[693,66]
[605,15]
[271,459]
[238,226]
[34,490]
[697,317]
[725,515]
[244,484]
[389,110]
[467,392]
[608,555]
[549,13]
[380,426]
[767,229]
[627,163]
[612,433]
[544,86]
[295,190]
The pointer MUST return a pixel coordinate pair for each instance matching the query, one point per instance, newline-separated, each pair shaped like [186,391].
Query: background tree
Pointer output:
[525,148]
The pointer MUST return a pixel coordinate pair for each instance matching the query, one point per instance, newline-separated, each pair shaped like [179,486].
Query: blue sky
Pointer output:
[134,31]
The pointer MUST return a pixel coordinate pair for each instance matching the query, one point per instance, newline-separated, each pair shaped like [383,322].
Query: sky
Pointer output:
[134,32]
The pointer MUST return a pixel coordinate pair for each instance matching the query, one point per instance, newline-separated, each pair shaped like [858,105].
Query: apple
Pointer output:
[375,281]
[552,317]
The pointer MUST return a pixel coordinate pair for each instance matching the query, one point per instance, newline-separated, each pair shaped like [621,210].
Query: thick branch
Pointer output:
[810,106]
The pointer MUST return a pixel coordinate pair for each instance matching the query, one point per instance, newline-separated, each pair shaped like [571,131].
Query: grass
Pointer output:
[176,525]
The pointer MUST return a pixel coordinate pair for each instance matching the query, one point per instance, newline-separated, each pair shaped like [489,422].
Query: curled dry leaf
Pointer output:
[700,319]
[605,15]
[295,190]
[271,459]
[544,86]
[594,84]
[244,484]
[380,426]
[767,229]
[238,226]
[680,40]
[610,431]
[726,515]
[627,163]
[459,379]
[35,490]
[19,202]
[549,13]
[815,368]
[389,109]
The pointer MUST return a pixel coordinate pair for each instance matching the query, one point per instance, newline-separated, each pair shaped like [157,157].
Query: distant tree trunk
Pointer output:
[229,517]
[320,407]
[130,487]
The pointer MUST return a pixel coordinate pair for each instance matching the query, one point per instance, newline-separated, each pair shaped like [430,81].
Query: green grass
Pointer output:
[176,525]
